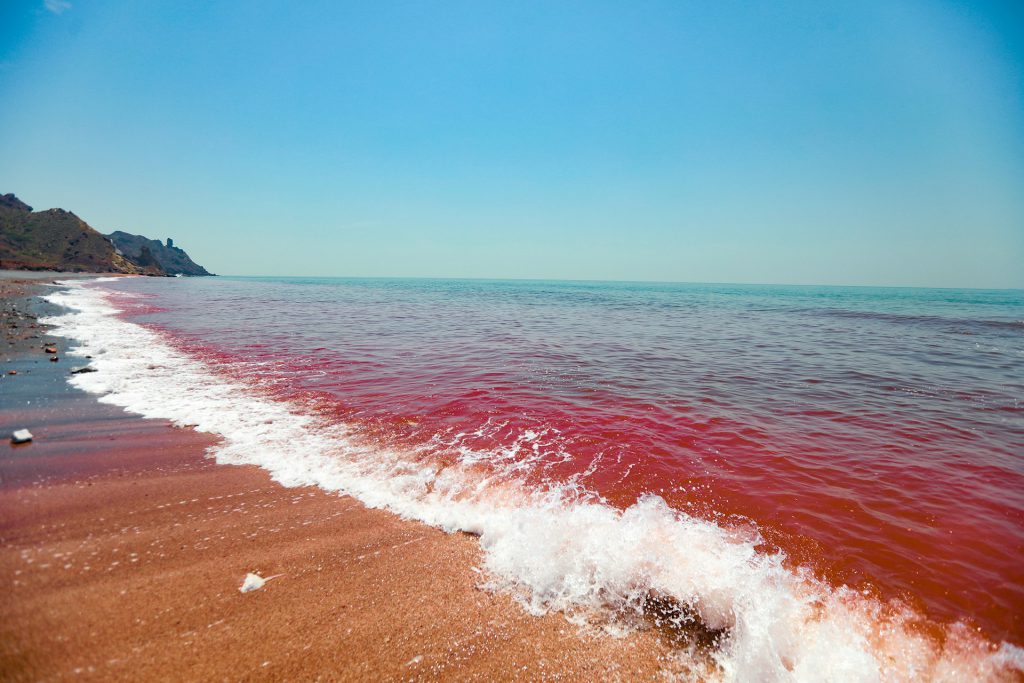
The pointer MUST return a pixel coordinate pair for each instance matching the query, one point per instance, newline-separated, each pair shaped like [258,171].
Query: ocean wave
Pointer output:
[958,323]
[554,548]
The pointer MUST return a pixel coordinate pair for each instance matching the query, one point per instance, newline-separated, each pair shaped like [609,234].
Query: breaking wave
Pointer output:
[740,613]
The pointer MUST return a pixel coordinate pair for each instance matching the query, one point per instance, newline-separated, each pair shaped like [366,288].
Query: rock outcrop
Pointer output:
[9,201]
[142,250]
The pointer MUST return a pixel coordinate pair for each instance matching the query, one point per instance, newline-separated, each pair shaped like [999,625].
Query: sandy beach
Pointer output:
[124,547]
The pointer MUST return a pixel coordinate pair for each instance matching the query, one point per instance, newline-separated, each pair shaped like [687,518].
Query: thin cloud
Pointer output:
[57,6]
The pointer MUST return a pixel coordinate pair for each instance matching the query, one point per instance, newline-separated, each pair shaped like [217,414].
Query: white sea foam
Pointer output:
[554,549]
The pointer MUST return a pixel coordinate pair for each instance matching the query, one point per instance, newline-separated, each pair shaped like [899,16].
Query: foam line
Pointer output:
[552,548]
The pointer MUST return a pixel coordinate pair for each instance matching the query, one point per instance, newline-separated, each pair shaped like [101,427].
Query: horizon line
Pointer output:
[611,281]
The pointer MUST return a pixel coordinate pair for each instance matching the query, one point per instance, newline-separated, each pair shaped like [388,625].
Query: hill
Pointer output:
[59,240]
[56,239]
[9,201]
[144,251]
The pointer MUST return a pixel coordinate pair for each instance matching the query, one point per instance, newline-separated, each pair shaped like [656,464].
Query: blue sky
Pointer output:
[815,142]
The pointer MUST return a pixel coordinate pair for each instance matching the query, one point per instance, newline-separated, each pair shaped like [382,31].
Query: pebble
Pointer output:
[254,582]
[21,436]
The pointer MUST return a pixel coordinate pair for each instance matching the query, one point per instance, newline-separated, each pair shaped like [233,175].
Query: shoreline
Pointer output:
[124,548]
[382,587]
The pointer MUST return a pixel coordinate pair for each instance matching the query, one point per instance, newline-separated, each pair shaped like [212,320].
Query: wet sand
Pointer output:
[122,550]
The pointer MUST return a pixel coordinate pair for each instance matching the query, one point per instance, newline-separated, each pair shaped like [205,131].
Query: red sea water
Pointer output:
[874,435]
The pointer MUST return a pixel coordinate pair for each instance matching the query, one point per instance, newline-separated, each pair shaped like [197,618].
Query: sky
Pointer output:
[862,143]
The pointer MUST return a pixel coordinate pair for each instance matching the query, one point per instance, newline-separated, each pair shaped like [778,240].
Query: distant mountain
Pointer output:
[144,251]
[57,240]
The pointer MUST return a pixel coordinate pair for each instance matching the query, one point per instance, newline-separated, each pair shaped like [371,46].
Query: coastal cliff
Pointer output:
[142,250]
[59,240]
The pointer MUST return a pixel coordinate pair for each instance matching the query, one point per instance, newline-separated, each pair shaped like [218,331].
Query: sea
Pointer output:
[799,482]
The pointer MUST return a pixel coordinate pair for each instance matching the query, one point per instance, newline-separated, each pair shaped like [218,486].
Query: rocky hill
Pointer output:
[142,251]
[59,240]
[9,201]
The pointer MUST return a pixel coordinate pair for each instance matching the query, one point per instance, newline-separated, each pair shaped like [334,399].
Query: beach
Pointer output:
[124,548]
[414,494]
[575,341]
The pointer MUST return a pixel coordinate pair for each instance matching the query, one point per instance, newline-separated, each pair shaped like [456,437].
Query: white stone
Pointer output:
[255,582]
[21,436]
[252,582]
